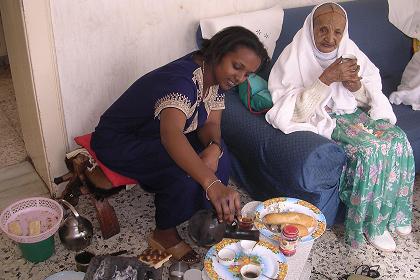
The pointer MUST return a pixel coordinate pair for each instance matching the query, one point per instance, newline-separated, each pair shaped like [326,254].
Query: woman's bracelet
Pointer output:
[209,186]
[218,145]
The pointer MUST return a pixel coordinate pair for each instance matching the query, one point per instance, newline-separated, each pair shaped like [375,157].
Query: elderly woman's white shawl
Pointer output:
[297,69]
[406,17]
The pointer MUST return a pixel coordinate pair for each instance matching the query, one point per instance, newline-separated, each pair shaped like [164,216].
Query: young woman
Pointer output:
[322,82]
[164,131]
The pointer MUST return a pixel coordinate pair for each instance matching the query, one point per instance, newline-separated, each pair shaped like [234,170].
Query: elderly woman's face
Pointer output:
[329,24]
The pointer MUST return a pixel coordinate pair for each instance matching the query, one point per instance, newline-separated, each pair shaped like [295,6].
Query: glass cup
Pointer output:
[246,222]
[347,56]
[177,270]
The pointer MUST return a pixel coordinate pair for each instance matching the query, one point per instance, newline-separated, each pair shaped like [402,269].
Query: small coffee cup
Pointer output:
[246,221]
[250,272]
[348,56]
[226,256]
[247,246]
[82,260]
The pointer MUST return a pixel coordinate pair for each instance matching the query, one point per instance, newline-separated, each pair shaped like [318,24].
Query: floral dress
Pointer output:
[377,182]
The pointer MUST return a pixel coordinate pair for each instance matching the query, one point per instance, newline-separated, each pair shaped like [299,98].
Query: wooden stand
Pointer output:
[82,181]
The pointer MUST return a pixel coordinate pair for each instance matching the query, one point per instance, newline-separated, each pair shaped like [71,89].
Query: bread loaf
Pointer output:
[290,218]
[14,228]
[34,228]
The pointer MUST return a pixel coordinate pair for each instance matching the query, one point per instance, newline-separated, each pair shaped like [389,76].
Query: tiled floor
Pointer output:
[134,208]
[20,181]
[12,149]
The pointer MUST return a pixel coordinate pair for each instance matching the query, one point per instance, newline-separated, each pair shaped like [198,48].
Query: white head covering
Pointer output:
[324,59]
[406,18]
[298,67]
[405,15]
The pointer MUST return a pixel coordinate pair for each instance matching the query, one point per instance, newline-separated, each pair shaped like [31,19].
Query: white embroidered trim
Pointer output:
[217,101]
[175,100]
[213,101]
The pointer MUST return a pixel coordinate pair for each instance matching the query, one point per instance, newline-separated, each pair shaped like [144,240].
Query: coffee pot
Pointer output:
[206,230]
[75,231]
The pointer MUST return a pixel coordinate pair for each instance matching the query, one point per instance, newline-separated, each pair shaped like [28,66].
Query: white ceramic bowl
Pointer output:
[226,256]
[250,272]
[247,246]
[249,208]
[66,275]
[192,274]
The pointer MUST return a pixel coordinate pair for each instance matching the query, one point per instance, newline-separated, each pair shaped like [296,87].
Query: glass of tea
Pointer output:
[246,222]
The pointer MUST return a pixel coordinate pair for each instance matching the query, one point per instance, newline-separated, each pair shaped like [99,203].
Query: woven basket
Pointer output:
[47,211]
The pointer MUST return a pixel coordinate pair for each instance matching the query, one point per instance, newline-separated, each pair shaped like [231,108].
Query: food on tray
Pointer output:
[14,228]
[154,258]
[303,231]
[290,218]
[34,228]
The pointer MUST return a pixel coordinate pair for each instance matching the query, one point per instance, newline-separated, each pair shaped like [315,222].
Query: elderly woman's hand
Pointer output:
[352,86]
[341,70]
[225,200]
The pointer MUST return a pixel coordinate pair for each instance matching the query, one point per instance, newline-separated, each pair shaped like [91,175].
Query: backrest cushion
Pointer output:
[266,24]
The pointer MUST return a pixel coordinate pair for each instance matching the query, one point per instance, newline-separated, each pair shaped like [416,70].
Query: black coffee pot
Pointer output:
[206,230]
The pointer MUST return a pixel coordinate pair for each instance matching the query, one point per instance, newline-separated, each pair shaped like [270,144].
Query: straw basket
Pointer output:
[39,247]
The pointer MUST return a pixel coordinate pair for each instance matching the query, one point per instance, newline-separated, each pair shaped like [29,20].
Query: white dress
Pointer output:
[407,19]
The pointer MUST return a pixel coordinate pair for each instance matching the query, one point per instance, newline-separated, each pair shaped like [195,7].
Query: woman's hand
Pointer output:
[352,86]
[341,70]
[225,200]
[210,156]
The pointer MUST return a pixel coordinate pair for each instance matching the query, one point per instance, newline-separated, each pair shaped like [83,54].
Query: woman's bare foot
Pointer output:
[167,237]
[172,243]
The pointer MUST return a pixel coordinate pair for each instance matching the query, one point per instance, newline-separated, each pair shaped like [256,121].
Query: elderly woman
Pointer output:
[164,131]
[322,82]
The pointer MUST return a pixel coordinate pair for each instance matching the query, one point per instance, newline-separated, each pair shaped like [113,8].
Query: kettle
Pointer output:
[206,230]
[75,231]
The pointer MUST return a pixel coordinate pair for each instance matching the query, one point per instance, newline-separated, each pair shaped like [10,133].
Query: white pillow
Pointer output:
[266,24]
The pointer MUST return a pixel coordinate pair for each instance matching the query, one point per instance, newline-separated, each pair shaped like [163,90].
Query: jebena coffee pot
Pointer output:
[206,230]
[75,231]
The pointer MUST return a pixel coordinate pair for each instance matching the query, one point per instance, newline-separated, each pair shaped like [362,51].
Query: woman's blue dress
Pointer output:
[127,138]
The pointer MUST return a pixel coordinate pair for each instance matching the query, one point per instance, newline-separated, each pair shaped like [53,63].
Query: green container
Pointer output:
[39,251]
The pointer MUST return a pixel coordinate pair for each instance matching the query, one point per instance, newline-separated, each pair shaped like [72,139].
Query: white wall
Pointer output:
[103,46]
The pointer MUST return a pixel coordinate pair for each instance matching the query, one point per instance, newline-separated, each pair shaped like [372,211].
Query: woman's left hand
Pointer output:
[352,85]
[210,156]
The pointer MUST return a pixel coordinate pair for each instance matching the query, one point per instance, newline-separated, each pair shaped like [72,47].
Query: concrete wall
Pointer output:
[103,46]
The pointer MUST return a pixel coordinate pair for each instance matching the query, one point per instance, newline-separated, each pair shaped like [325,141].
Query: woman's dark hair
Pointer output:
[228,40]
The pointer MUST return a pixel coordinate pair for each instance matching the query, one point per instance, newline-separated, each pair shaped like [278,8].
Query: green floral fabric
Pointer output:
[377,182]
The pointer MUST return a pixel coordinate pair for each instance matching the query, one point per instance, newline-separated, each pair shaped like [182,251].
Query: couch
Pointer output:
[268,163]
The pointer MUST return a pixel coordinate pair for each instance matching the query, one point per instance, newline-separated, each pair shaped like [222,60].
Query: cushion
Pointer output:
[266,24]
[115,178]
